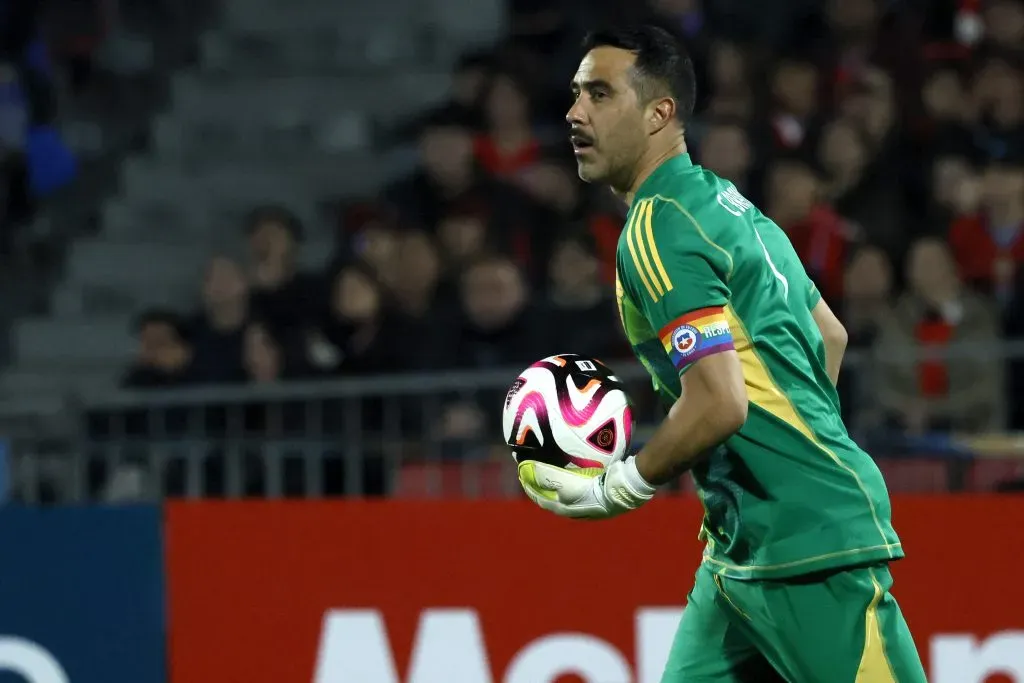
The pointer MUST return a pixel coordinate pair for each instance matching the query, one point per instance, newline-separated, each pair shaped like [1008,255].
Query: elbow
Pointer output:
[730,413]
[836,338]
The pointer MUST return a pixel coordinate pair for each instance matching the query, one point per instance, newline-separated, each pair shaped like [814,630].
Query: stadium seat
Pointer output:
[493,480]
[929,475]
[986,475]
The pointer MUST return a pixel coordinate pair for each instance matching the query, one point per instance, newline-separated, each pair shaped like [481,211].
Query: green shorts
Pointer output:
[839,627]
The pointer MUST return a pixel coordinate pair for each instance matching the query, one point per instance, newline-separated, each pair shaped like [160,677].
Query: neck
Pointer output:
[651,160]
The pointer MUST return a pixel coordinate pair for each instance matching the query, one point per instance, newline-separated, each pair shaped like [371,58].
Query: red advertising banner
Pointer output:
[502,592]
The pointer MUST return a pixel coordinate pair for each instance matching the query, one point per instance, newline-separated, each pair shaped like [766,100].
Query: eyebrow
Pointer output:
[590,85]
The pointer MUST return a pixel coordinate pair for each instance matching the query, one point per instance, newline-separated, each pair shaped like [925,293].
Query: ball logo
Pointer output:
[605,438]
[513,390]
[684,340]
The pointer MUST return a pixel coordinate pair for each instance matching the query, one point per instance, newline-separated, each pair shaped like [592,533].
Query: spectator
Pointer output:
[989,245]
[464,237]
[858,190]
[731,96]
[262,354]
[425,306]
[448,178]
[866,306]
[794,119]
[945,97]
[368,234]
[870,106]
[573,207]
[164,356]
[956,191]
[218,329]
[725,149]
[282,296]
[998,99]
[867,295]
[356,338]
[509,145]
[469,83]
[919,387]
[819,235]
[581,302]
[1004,26]
[500,328]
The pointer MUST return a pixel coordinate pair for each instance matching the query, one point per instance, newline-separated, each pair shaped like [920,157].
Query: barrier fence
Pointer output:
[437,591]
[427,435]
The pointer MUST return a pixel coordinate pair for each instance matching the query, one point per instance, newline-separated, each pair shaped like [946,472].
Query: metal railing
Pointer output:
[425,434]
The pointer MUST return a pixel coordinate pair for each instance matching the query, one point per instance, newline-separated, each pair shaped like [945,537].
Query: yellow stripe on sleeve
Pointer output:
[655,256]
[644,251]
[631,233]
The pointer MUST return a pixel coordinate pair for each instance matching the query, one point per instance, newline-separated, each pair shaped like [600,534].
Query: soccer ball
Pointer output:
[568,411]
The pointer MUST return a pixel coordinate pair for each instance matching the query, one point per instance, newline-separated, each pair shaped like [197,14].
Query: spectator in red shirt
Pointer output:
[509,144]
[989,245]
[820,236]
[920,384]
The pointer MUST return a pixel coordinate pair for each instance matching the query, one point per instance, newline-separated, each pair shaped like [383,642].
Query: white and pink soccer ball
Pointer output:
[569,411]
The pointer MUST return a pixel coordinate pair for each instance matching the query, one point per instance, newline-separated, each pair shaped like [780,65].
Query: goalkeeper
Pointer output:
[795,579]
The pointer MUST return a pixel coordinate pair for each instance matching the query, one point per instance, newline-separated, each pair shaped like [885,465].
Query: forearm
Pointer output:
[690,430]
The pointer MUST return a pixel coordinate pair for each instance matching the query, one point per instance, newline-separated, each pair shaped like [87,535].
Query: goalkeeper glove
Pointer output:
[586,493]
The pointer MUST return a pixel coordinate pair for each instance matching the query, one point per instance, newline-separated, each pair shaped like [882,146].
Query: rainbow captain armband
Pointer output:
[699,333]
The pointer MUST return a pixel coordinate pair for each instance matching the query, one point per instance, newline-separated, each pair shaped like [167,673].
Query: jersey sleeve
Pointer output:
[678,278]
[813,295]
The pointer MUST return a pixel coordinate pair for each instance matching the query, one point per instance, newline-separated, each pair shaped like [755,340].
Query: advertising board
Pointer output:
[501,592]
[81,595]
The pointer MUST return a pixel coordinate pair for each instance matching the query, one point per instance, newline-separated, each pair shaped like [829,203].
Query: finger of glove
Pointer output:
[553,482]
[544,502]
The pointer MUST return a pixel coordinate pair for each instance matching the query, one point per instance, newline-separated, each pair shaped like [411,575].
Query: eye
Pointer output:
[598,95]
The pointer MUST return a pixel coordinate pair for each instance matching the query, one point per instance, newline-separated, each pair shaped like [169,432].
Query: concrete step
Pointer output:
[264,15]
[146,266]
[27,382]
[72,298]
[301,98]
[73,341]
[207,135]
[321,50]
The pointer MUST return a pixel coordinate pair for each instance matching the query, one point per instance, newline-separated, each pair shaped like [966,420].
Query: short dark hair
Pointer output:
[273,213]
[161,316]
[663,65]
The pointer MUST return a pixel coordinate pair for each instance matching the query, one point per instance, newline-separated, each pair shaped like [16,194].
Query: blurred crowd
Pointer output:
[887,141]
[34,162]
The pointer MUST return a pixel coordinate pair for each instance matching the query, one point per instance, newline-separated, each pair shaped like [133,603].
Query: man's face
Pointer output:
[608,131]
[493,294]
[795,86]
[224,282]
[271,241]
[447,154]
[160,347]
[1002,186]
[726,151]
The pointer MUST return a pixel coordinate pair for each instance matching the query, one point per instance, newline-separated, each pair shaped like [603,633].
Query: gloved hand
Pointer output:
[592,493]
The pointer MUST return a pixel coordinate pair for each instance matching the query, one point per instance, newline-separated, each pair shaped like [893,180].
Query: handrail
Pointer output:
[415,384]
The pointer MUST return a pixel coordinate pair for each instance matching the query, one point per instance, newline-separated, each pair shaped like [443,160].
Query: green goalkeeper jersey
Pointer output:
[700,271]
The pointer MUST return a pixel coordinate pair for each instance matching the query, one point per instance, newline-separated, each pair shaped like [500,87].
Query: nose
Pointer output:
[576,115]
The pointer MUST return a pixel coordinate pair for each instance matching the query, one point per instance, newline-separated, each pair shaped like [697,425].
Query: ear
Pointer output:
[660,113]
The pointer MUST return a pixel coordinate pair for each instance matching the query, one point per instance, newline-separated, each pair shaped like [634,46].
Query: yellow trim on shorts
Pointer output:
[874,664]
